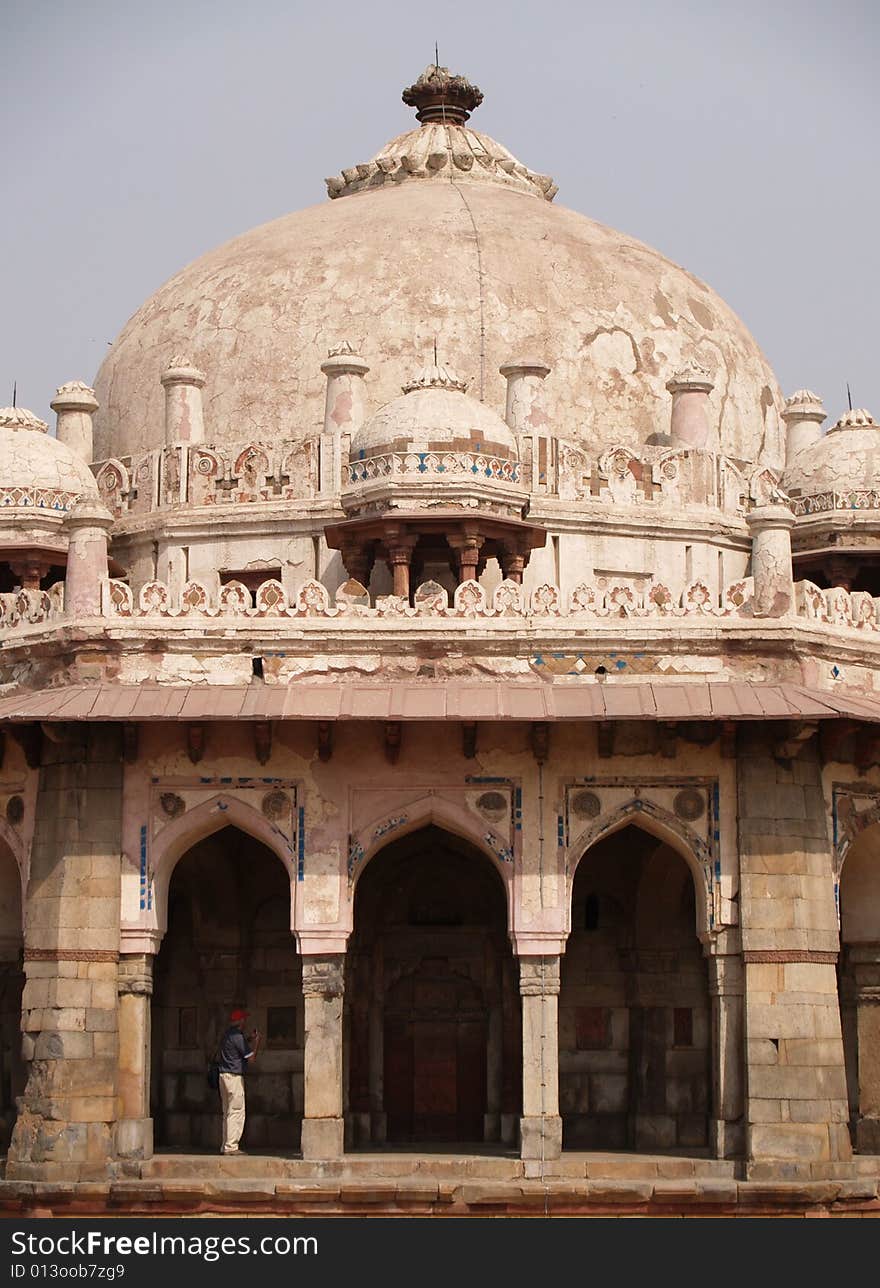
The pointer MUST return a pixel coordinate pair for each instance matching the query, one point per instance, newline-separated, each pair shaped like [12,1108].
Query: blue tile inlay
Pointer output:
[301,843]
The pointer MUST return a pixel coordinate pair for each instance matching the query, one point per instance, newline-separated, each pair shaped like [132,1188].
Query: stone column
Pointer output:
[323,985]
[66,1124]
[796,1102]
[184,418]
[541,1124]
[345,410]
[134,1131]
[803,415]
[864,961]
[466,549]
[726,1133]
[399,558]
[770,527]
[689,420]
[88,525]
[74,405]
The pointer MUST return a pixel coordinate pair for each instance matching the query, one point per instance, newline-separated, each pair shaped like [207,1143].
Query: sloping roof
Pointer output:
[427,700]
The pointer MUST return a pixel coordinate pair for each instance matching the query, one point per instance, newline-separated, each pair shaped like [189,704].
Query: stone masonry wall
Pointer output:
[66,1121]
[796,1106]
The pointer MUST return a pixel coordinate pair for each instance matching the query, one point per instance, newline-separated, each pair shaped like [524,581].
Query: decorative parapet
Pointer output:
[205,475]
[856,498]
[837,607]
[468,465]
[200,474]
[30,607]
[605,599]
[680,476]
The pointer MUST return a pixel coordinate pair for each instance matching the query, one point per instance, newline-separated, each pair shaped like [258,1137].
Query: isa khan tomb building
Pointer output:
[436,633]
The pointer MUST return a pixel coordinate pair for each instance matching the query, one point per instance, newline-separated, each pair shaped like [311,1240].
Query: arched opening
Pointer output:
[634,1012]
[859,986]
[12,1072]
[433,1016]
[228,943]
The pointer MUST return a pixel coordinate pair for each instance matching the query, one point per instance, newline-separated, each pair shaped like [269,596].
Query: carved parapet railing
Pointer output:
[854,498]
[202,474]
[837,607]
[30,607]
[469,465]
[605,599]
[675,476]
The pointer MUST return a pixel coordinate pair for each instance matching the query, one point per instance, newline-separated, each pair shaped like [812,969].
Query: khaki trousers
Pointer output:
[232,1104]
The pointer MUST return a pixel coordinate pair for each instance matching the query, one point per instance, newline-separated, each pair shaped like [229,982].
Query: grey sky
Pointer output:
[739,139]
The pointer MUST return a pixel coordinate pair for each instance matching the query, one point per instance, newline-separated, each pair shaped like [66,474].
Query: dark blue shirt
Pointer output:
[234,1051]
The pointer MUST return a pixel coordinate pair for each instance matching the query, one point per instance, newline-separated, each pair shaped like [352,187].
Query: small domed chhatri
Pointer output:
[450,648]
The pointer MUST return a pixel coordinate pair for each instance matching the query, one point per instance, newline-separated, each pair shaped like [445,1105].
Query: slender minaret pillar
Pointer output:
[770,527]
[527,417]
[803,415]
[524,411]
[184,418]
[74,405]
[88,525]
[344,410]
[689,421]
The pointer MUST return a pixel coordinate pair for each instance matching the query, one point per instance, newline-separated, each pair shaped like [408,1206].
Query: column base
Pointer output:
[868,1135]
[726,1139]
[323,1138]
[134,1138]
[540,1137]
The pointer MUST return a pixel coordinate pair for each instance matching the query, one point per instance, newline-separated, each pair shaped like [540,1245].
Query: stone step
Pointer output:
[436,1167]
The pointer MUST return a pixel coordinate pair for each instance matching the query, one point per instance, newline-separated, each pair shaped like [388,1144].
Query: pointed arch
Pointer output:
[212,815]
[444,814]
[658,822]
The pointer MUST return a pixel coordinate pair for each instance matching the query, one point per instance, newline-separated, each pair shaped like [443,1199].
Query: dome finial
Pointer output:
[441,97]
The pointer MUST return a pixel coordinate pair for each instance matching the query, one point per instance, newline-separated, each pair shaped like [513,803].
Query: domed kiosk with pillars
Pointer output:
[437,636]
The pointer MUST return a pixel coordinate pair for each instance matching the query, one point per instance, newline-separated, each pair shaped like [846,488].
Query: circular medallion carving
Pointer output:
[14,809]
[586,805]
[172,805]
[689,804]
[493,803]
[276,805]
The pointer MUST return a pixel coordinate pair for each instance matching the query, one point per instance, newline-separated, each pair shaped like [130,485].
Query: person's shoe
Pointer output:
[230,1151]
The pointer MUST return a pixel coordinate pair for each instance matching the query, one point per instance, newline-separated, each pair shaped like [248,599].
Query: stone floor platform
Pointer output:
[421,1184]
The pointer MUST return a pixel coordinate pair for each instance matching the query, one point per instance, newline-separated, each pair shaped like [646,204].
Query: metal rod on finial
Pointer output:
[14,391]
[436,56]
[848,395]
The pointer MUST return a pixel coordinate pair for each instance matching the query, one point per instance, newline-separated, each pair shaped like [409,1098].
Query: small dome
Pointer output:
[847,457]
[434,414]
[37,471]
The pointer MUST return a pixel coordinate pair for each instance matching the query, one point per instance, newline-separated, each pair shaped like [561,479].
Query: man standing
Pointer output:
[235,1052]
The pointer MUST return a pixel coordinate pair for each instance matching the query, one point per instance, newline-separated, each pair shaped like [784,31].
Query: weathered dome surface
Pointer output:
[434,414]
[848,456]
[36,470]
[473,256]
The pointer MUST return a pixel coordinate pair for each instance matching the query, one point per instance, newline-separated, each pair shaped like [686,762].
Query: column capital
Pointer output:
[539,976]
[323,975]
[135,974]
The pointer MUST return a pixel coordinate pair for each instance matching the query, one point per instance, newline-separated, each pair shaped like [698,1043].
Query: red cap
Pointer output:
[238,1014]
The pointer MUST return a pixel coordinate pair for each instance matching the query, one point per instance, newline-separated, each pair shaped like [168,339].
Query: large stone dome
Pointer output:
[443,237]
